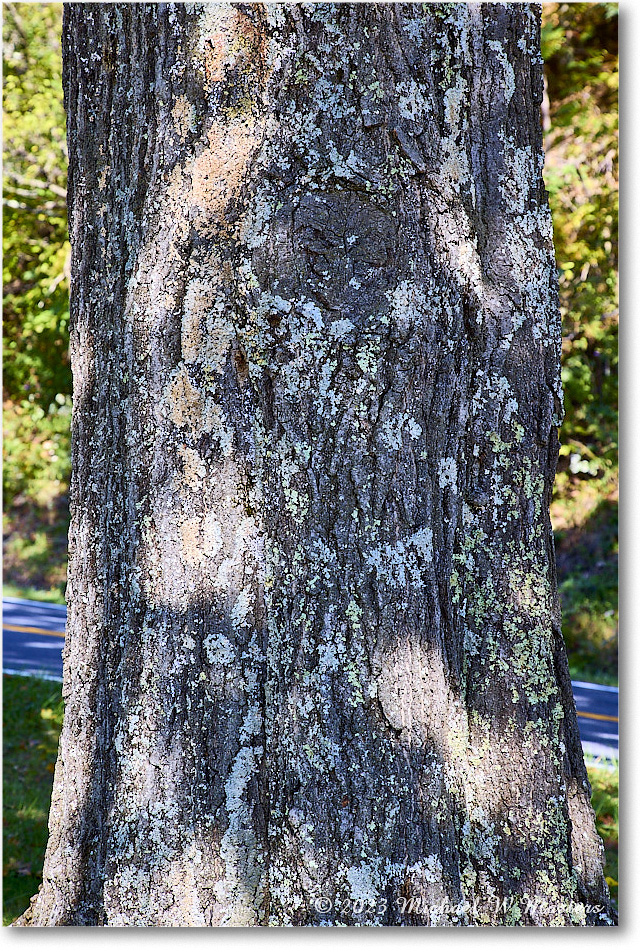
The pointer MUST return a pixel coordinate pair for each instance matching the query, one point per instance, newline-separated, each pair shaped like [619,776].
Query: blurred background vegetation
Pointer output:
[36,373]
[580,120]
[580,117]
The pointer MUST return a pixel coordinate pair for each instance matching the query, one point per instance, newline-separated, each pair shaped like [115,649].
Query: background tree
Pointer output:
[314,651]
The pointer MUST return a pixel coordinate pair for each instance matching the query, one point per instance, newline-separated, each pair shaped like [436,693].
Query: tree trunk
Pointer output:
[314,671]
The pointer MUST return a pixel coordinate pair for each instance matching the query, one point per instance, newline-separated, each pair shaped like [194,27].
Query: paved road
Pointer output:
[32,638]
[598,716]
[33,635]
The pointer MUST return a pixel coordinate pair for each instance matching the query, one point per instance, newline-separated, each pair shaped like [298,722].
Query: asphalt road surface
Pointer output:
[33,635]
[32,638]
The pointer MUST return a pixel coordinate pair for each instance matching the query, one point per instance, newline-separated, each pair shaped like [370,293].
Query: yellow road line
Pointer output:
[47,633]
[598,716]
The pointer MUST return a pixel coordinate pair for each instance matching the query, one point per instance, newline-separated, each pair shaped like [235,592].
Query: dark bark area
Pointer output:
[314,670]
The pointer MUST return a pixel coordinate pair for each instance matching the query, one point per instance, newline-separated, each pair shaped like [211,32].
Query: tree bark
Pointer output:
[314,671]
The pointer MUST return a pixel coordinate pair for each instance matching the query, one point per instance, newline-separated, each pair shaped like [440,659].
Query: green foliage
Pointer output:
[579,42]
[36,373]
[32,719]
[36,444]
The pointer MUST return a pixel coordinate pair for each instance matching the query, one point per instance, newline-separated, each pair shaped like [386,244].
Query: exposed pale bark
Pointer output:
[314,670]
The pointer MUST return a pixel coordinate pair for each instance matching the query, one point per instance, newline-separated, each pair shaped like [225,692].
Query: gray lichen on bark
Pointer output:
[314,671]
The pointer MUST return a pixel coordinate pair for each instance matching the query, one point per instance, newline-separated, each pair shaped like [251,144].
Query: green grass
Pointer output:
[32,593]
[32,718]
[605,782]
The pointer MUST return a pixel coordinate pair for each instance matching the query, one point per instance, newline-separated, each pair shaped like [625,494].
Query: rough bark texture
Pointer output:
[314,671]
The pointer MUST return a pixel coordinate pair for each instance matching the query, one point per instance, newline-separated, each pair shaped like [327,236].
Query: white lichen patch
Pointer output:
[217,171]
[345,166]
[328,657]
[239,844]
[409,305]
[191,541]
[189,407]
[185,401]
[218,650]
[242,607]
[364,882]
[411,101]
[402,565]
[508,84]
[453,99]
[212,538]
[455,167]
[341,329]
[447,473]
[413,427]
[206,335]
[214,35]
[494,395]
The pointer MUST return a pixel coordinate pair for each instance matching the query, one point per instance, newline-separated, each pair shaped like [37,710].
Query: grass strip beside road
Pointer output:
[34,593]
[605,785]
